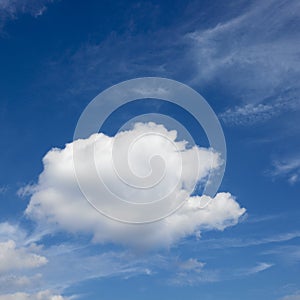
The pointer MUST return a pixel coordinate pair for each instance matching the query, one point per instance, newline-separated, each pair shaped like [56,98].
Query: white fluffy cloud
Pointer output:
[43,295]
[57,199]
[14,258]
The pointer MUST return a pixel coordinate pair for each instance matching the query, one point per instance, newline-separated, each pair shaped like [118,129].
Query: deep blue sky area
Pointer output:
[241,56]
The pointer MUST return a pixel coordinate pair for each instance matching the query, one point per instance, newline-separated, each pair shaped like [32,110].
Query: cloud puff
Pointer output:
[57,199]
[13,258]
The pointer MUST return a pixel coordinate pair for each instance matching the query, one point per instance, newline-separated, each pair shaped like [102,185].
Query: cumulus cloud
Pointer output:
[14,258]
[58,201]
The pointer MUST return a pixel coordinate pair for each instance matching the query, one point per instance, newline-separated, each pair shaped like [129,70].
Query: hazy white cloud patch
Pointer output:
[11,231]
[11,9]
[43,295]
[3,190]
[94,263]
[288,255]
[288,169]
[252,113]
[250,242]
[258,268]
[295,296]
[11,283]
[247,114]
[57,200]
[20,260]
[255,57]
[14,258]
[191,272]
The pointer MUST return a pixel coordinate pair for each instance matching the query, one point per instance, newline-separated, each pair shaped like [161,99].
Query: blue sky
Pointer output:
[241,56]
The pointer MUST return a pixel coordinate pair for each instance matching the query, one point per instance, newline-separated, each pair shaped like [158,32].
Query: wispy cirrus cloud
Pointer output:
[248,114]
[254,113]
[289,254]
[11,9]
[250,242]
[197,273]
[255,58]
[288,168]
[191,272]
[260,267]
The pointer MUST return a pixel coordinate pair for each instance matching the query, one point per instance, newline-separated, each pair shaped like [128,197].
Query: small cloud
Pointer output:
[247,114]
[15,258]
[257,269]
[26,190]
[253,113]
[191,272]
[3,190]
[293,179]
[191,264]
[288,169]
